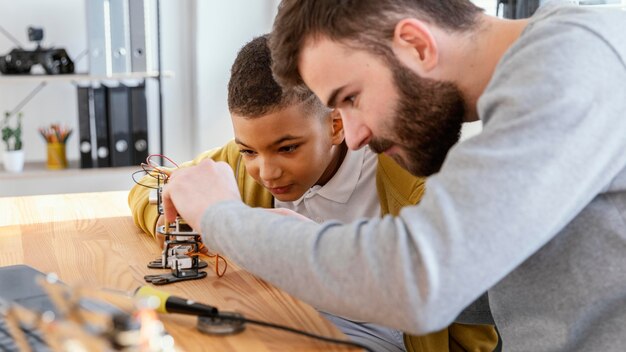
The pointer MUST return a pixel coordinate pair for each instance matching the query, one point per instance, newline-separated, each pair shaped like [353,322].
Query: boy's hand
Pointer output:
[191,190]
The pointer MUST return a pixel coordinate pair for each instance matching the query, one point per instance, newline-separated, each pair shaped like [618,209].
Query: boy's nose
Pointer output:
[269,171]
[357,134]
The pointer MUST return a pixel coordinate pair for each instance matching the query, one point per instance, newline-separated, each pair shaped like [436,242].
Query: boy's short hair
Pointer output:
[252,89]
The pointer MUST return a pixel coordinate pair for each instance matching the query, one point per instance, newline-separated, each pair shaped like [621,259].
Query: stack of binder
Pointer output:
[113,125]
[119,33]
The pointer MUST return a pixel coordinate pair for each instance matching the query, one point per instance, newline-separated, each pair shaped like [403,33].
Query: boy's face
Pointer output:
[287,151]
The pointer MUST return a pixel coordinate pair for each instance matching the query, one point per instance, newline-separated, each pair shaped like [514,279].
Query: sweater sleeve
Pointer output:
[550,144]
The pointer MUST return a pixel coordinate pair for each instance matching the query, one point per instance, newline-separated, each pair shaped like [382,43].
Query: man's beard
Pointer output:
[427,122]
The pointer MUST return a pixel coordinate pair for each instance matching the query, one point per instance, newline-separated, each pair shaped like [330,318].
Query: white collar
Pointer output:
[340,187]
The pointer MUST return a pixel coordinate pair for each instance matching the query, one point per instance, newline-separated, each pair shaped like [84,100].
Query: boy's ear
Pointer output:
[337,123]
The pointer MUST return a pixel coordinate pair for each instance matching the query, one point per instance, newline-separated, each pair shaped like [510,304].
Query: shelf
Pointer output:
[82,77]
[599,4]
[607,6]
[37,179]
[39,170]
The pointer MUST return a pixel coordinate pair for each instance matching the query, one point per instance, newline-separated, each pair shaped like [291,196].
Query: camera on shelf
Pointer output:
[20,61]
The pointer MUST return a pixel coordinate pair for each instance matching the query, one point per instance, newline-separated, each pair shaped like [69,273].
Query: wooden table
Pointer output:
[90,239]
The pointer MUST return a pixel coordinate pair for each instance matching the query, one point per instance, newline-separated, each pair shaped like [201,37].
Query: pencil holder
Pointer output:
[56,156]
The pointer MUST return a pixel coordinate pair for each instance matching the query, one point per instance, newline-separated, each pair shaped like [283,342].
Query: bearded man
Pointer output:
[532,210]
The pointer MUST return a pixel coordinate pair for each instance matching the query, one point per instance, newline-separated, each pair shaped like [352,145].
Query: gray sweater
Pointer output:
[533,209]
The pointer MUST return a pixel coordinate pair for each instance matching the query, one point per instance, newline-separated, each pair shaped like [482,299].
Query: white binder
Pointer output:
[140,32]
[98,37]
[120,36]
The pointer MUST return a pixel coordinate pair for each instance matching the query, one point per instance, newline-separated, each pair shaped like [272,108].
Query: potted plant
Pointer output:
[12,138]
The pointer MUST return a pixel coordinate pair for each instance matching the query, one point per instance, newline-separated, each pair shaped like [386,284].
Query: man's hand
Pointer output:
[191,190]
[159,238]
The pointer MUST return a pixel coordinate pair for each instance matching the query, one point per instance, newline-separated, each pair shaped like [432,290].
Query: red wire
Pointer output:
[217,259]
[149,162]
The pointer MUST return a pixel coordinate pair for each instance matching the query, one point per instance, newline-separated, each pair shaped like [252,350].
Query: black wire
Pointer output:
[139,183]
[151,171]
[147,168]
[295,331]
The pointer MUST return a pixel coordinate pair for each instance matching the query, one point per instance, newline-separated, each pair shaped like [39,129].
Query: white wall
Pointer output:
[178,47]
[488,5]
[223,27]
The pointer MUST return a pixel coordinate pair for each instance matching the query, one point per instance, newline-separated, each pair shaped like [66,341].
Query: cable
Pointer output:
[139,183]
[296,331]
[149,161]
[172,304]
[217,257]
[154,173]
[11,37]
[80,55]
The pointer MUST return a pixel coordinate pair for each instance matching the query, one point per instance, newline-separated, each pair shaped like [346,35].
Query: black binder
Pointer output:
[139,123]
[100,121]
[84,128]
[93,127]
[119,126]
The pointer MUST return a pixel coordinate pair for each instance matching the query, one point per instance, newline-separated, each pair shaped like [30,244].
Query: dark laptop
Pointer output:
[18,285]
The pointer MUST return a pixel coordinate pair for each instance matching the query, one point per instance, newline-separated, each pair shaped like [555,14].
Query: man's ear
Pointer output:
[415,46]
[337,124]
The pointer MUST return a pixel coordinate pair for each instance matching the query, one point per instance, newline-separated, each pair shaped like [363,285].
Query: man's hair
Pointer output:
[252,90]
[369,24]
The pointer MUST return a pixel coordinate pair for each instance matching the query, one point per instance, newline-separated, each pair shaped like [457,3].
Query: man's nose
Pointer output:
[357,134]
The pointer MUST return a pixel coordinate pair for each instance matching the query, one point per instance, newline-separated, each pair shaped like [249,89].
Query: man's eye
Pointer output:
[289,148]
[349,99]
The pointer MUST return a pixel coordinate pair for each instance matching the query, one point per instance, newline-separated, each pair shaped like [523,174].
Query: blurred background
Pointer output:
[199,41]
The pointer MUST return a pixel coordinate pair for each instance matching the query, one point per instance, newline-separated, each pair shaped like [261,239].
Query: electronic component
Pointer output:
[182,244]
[180,254]
[180,250]
[20,61]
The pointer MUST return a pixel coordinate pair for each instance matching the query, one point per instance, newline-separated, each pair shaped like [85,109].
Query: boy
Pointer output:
[289,152]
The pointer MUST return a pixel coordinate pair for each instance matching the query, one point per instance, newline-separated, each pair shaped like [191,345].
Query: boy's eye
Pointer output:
[246,152]
[288,148]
